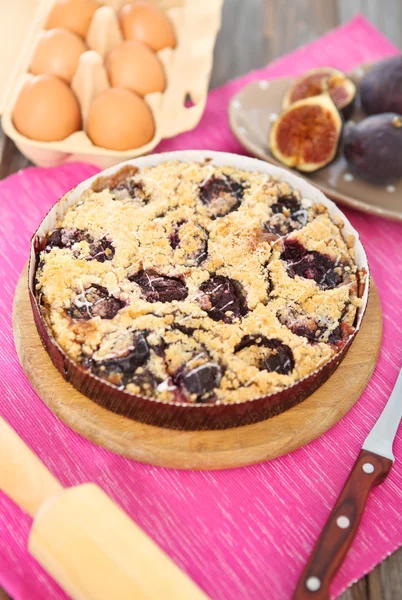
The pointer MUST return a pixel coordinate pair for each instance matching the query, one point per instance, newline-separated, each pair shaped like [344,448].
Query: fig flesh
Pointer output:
[324,79]
[381,88]
[373,148]
[306,135]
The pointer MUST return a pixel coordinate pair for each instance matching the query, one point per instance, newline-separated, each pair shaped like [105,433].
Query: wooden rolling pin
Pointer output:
[83,539]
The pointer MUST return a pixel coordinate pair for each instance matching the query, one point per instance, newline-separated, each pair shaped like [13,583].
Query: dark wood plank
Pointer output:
[292,24]
[385,582]
[258,31]
[385,14]
[11,159]
[241,44]
[358,591]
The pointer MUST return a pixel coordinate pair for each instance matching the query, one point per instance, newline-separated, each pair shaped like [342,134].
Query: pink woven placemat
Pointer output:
[244,533]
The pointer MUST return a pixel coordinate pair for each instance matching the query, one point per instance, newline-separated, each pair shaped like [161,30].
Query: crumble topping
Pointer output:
[193,283]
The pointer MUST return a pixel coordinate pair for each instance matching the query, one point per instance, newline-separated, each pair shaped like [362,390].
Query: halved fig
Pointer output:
[324,79]
[306,135]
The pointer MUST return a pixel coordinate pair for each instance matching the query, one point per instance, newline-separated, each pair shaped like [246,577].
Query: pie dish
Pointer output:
[197,289]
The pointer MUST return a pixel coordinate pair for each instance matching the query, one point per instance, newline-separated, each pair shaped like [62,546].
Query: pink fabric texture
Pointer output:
[244,533]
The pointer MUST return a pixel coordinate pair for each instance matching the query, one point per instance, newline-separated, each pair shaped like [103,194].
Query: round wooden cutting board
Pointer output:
[199,449]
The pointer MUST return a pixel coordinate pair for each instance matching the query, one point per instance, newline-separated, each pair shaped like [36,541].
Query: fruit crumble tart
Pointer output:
[187,282]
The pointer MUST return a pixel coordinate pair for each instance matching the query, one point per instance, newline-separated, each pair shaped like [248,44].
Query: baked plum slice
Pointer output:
[65,238]
[221,195]
[125,364]
[311,333]
[192,240]
[287,215]
[288,203]
[160,288]
[200,380]
[299,322]
[316,334]
[174,237]
[223,299]
[293,250]
[146,381]
[340,334]
[310,265]
[102,250]
[314,331]
[130,190]
[95,301]
[266,354]
[122,185]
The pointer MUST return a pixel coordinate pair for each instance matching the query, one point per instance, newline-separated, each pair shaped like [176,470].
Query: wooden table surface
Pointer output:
[253,33]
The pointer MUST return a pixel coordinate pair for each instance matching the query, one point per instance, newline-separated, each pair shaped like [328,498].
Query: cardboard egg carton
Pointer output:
[187,69]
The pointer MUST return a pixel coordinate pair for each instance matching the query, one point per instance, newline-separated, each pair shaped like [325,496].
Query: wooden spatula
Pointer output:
[83,539]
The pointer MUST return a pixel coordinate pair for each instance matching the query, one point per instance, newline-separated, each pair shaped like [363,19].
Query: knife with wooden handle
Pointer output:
[83,539]
[371,468]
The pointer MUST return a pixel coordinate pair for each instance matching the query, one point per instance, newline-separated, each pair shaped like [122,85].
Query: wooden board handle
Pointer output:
[338,533]
[23,477]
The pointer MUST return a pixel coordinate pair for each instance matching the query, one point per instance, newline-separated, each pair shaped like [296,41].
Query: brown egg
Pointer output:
[120,120]
[133,66]
[46,110]
[75,15]
[147,23]
[57,53]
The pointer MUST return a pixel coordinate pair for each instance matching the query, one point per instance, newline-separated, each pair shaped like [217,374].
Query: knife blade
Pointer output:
[371,468]
[381,437]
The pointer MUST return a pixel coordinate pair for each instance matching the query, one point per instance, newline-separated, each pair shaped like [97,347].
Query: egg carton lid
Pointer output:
[20,21]
[18,24]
